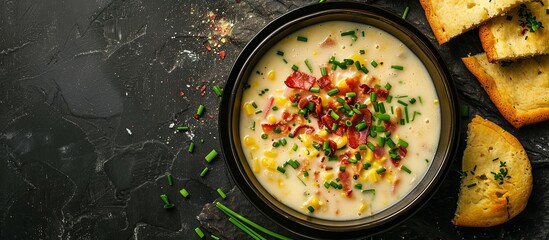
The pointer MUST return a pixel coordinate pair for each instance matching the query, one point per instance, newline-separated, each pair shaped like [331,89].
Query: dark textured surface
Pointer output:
[89,89]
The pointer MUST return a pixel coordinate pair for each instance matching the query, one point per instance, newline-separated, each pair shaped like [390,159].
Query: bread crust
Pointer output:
[434,22]
[488,41]
[496,203]
[516,117]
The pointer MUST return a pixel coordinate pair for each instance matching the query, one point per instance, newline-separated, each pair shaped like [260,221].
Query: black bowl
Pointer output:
[229,115]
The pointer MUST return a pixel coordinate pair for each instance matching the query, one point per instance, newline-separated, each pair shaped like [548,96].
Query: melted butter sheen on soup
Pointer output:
[339,120]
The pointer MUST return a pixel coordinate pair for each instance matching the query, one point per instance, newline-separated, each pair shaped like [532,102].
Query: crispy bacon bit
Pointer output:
[303,129]
[365,89]
[333,147]
[300,80]
[324,81]
[287,117]
[379,152]
[328,121]
[346,182]
[352,82]
[268,107]
[318,105]
[389,126]
[328,42]
[381,94]
[302,103]
[222,54]
[355,137]
[269,128]
[402,151]
[395,185]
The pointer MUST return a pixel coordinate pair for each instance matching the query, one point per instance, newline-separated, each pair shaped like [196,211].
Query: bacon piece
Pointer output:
[300,80]
[352,82]
[395,185]
[346,182]
[355,137]
[302,103]
[305,128]
[324,81]
[379,152]
[328,121]
[389,126]
[269,128]
[318,105]
[402,151]
[328,42]
[287,117]
[381,94]
[365,89]
[268,107]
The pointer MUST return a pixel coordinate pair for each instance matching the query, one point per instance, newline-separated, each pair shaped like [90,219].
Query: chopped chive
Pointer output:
[374,63]
[347,61]
[191,147]
[389,98]
[200,110]
[170,180]
[362,147]
[381,107]
[366,165]
[276,144]
[184,192]
[397,67]
[373,97]
[342,168]
[402,121]
[406,169]
[352,160]
[414,116]
[371,190]
[294,67]
[258,111]
[358,186]
[326,145]
[402,143]
[390,143]
[281,169]
[294,147]
[356,111]
[254,104]
[406,114]
[360,126]
[183,128]
[211,156]
[392,110]
[334,115]
[323,71]
[311,209]
[380,170]
[465,111]
[221,193]
[340,100]
[381,141]
[405,14]
[362,50]
[333,91]
[314,89]
[301,39]
[305,173]
[167,203]
[382,116]
[357,65]
[348,123]
[218,91]
[402,102]
[364,69]
[214,237]
[373,133]
[277,130]
[285,61]
[332,158]
[274,108]
[412,100]
[376,106]
[264,136]
[358,156]
[308,64]
[371,146]
[350,94]
[204,171]
[282,142]
[420,101]
[334,126]
[334,66]
[348,33]
[280,53]
[388,86]
[199,232]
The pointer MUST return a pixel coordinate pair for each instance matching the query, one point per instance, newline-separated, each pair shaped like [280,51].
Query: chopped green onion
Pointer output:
[326,145]
[380,170]
[314,89]
[358,186]
[340,100]
[405,14]
[373,133]
[218,91]
[397,67]
[388,86]
[277,130]
[412,100]
[211,155]
[366,165]
[357,65]
[282,142]
[364,69]
[360,126]
[183,128]
[381,107]
[381,141]
[406,114]
[214,237]
[350,94]
[170,180]
[342,168]
[334,115]
[308,64]
[332,158]
[402,102]
[347,33]
[373,97]
[281,169]
[199,232]
[311,209]
[221,193]
[402,143]
[465,111]
[352,160]
[258,111]
[294,67]
[274,108]
[184,192]
[323,71]
[294,147]
[348,123]
[390,143]
[371,190]
[280,53]
[204,171]
[389,98]
[334,126]
[200,110]
[382,116]
[167,203]
[358,156]
[362,51]
[264,136]
[362,147]
[305,173]
[371,146]
[276,144]
[191,147]
[285,61]
[301,39]
[406,169]
[333,91]
[374,63]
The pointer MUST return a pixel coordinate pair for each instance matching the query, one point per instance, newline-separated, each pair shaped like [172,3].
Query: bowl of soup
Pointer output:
[338,120]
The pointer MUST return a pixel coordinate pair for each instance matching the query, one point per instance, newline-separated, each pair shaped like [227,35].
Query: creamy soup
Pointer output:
[339,120]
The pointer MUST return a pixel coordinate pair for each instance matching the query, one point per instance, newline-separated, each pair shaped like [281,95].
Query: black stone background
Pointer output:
[74,75]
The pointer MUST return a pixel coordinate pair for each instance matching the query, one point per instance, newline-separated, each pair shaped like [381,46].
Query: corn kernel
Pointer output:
[268,163]
[327,175]
[280,183]
[323,133]
[270,153]
[373,176]
[249,108]
[306,140]
[249,141]
[369,155]
[280,101]
[342,84]
[271,119]
[314,53]
[357,57]
[310,152]
[271,75]
[314,202]
[363,207]
[340,141]
[256,167]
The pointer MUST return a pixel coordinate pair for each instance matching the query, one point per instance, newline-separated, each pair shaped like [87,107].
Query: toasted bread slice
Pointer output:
[450,18]
[497,177]
[521,33]
[520,90]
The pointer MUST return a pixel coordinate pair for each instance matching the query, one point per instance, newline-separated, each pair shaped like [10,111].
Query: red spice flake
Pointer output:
[181,93]
[222,54]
